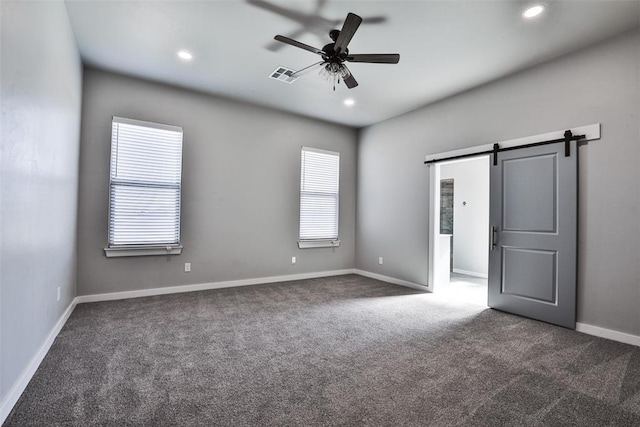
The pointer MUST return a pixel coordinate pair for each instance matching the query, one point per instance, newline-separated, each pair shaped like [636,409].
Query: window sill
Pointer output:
[307,244]
[142,251]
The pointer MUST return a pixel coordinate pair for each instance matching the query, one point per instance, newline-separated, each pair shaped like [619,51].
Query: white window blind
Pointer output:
[319,195]
[145,184]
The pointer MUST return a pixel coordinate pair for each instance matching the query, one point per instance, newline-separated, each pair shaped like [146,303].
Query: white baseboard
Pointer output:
[207,286]
[471,273]
[244,282]
[391,280]
[21,384]
[608,333]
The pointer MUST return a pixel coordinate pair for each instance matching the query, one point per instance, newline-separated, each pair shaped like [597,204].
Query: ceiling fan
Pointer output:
[335,54]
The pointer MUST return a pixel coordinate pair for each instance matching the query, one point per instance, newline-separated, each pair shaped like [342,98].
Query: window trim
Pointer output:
[308,244]
[151,249]
[320,243]
[121,251]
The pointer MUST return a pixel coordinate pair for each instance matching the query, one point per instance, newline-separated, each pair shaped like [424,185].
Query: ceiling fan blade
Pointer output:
[275,45]
[349,28]
[295,43]
[350,81]
[375,58]
[308,69]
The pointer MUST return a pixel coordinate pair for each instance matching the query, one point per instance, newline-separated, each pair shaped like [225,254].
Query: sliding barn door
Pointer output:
[533,221]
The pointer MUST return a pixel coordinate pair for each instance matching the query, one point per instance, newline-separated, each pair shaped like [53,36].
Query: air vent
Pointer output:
[284,75]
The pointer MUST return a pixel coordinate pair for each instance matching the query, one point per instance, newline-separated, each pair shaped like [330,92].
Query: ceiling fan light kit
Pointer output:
[334,72]
[333,67]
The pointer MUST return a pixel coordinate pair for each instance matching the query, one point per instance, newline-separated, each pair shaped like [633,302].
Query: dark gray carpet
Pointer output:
[344,350]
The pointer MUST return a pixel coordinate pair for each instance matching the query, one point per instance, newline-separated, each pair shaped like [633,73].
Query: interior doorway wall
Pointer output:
[470,241]
[447,188]
[463,222]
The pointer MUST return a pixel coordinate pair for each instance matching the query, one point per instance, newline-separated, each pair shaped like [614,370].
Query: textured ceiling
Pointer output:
[445,46]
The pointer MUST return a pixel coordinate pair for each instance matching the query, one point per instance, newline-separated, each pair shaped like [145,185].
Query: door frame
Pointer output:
[591,132]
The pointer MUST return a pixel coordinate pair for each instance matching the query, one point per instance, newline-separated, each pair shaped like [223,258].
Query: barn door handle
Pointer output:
[493,239]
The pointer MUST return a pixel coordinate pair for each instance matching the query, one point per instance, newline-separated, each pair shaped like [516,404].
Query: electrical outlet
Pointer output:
[58,294]
[293,260]
[187,267]
[380,260]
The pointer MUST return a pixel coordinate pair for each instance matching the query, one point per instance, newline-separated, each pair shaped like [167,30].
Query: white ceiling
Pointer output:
[445,46]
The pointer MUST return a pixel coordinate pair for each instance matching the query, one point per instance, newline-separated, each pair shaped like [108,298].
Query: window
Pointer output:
[144,188]
[319,195]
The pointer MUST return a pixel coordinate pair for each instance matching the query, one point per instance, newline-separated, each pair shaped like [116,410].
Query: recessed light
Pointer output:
[184,54]
[533,11]
[349,102]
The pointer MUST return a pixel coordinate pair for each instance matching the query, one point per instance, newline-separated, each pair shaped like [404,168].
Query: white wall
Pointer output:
[40,84]
[470,220]
[241,186]
[600,84]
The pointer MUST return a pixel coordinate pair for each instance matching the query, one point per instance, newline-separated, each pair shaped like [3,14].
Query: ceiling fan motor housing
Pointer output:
[330,54]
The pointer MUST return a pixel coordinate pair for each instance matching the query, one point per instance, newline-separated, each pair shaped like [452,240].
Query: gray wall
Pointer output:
[41,83]
[241,178]
[470,221]
[598,85]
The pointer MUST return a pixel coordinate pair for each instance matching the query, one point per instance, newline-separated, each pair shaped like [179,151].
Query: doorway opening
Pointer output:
[463,242]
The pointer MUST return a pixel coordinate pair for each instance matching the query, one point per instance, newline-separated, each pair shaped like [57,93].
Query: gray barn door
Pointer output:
[533,216]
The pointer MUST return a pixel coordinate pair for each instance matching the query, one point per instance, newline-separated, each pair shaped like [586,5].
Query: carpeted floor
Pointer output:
[339,351]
